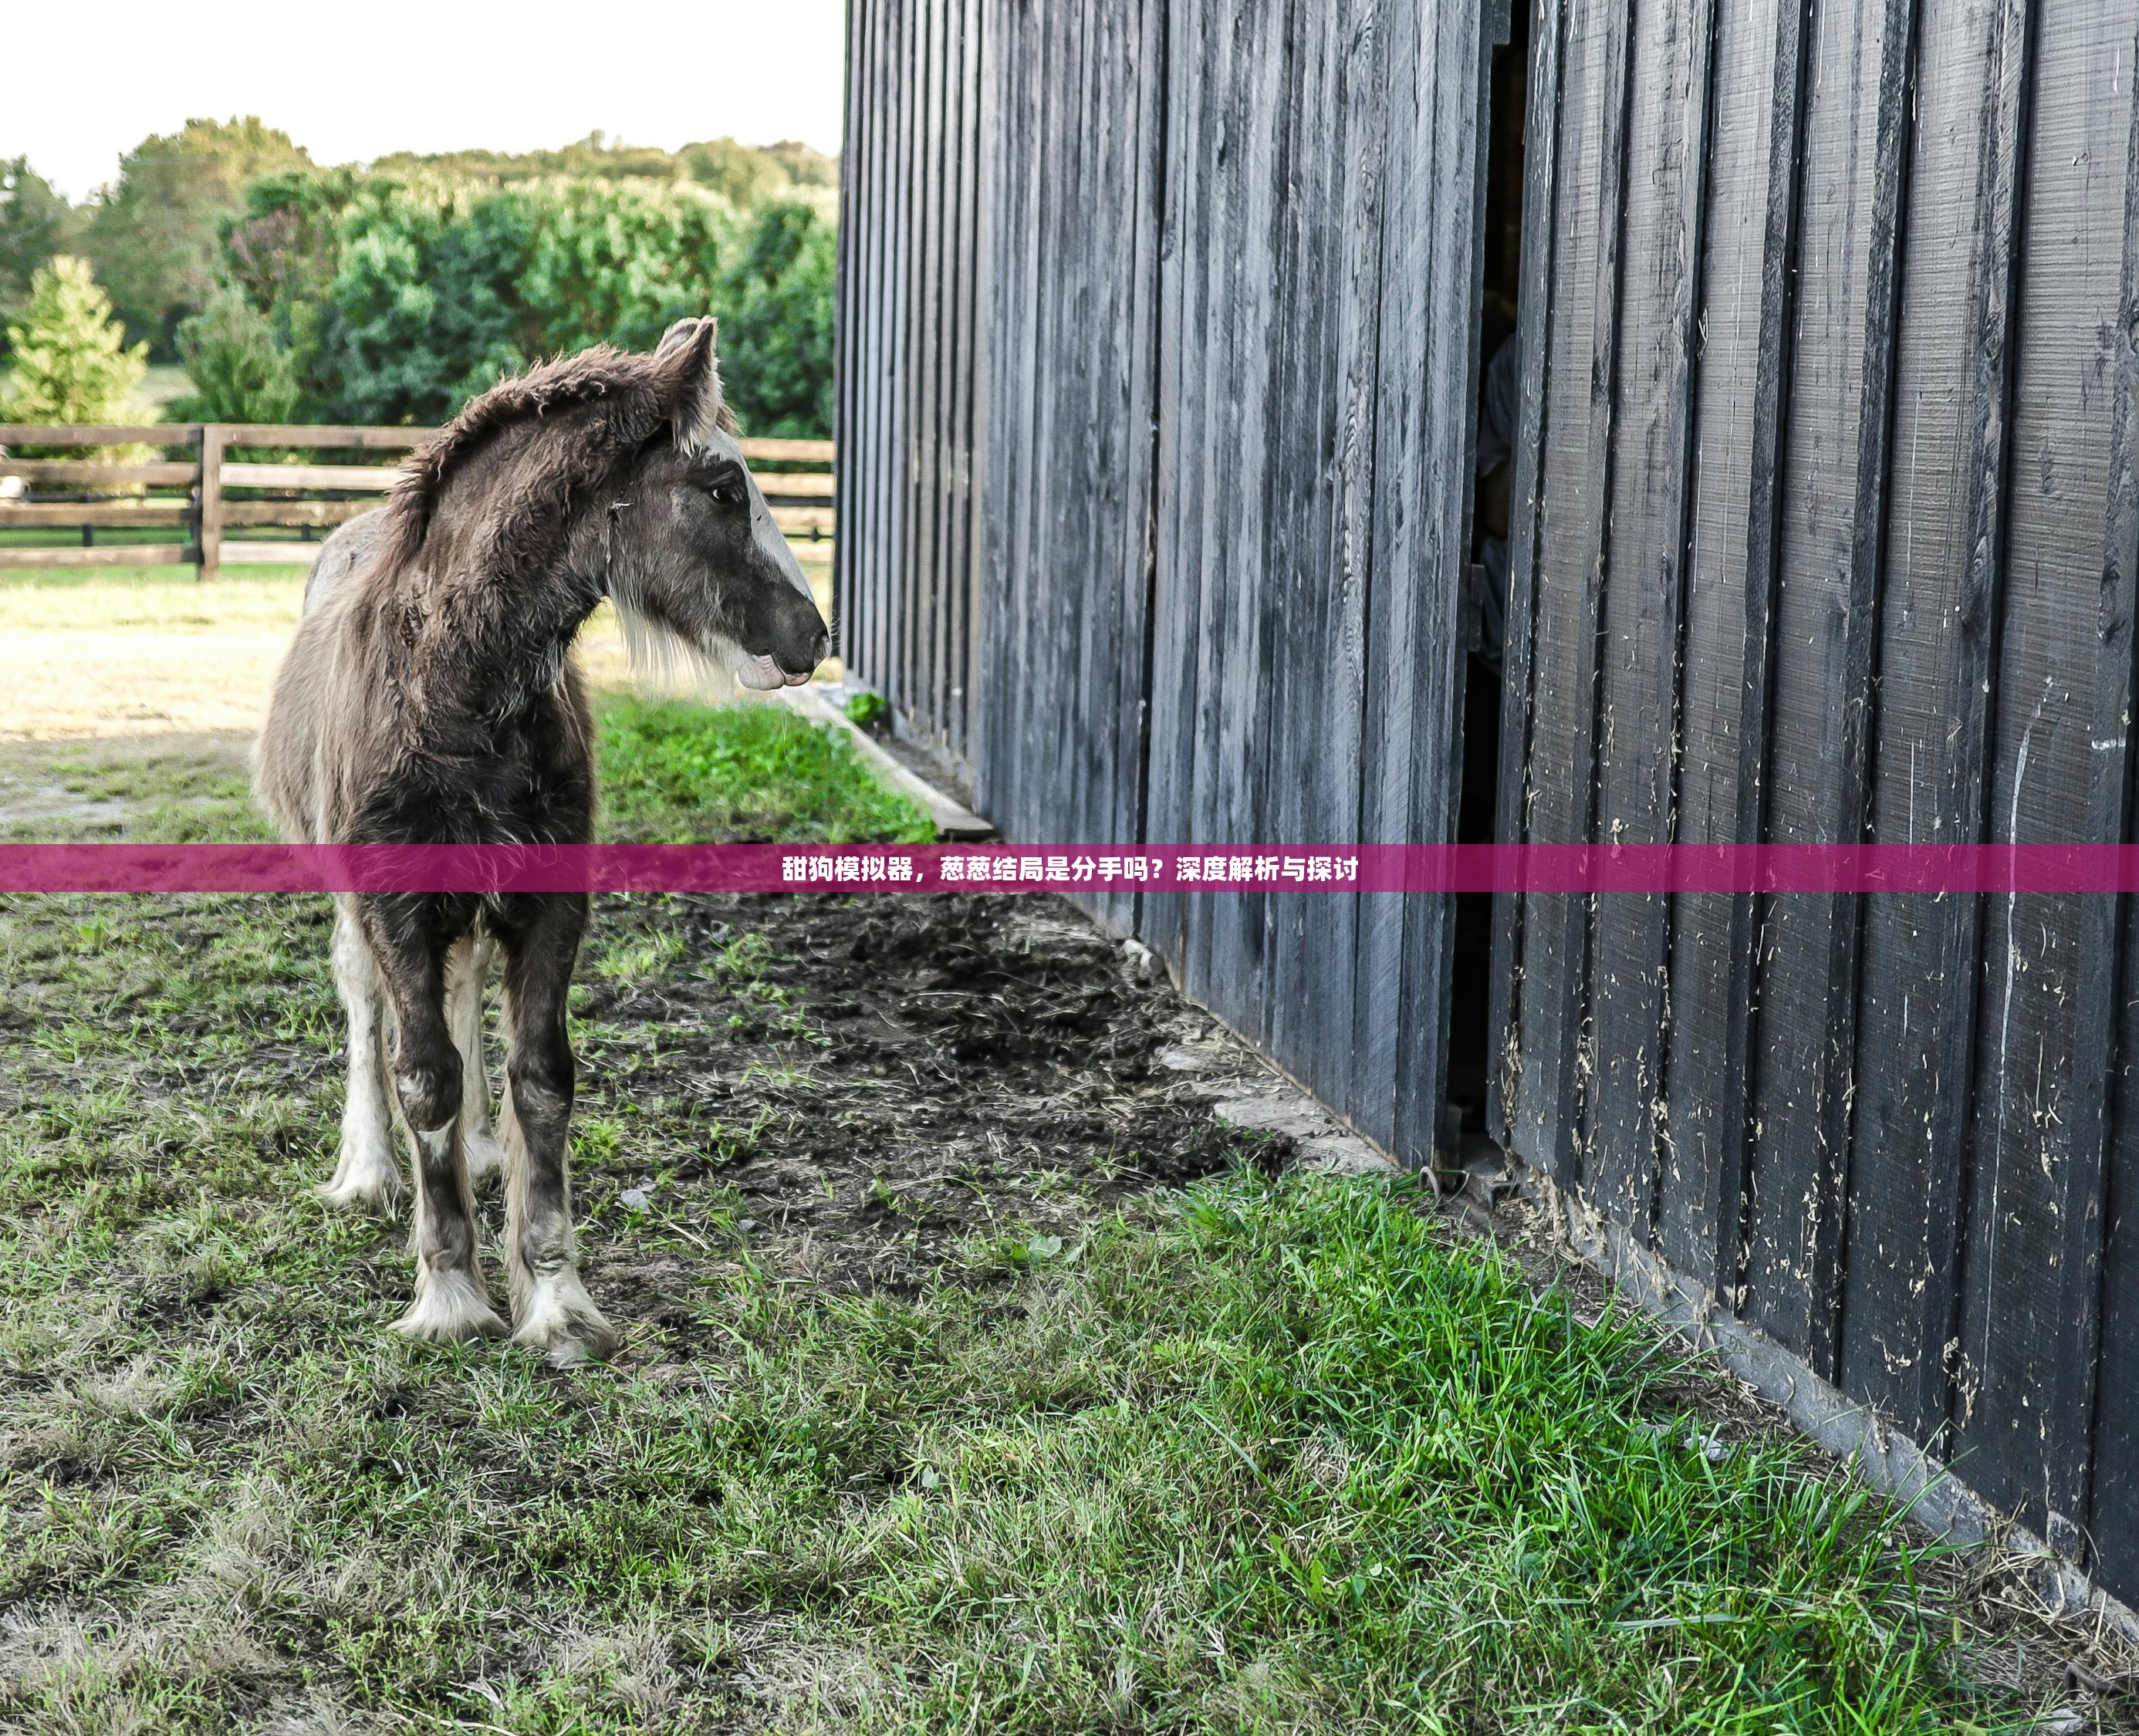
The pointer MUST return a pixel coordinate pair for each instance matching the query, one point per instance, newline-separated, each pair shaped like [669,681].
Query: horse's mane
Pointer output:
[636,396]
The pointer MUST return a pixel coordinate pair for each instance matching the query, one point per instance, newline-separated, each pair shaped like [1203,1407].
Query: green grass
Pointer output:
[1265,1455]
[92,597]
[1274,1455]
[677,773]
[142,791]
[670,772]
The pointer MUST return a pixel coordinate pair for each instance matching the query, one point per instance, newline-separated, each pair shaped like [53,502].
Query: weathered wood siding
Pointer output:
[1826,529]
[1827,533]
[1318,282]
[1233,278]
[1228,265]
[1077,130]
[908,337]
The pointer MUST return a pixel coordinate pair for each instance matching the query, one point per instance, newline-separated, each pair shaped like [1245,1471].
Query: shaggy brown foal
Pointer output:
[430,697]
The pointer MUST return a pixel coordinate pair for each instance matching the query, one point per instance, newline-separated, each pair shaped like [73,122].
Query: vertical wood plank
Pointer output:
[2097,1420]
[1978,620]
[1457,74]
[1899,1277]
[1567,1158]
[846,370]
[1763,577]
[1637,682]
[1568,547]
[911,368]
[1178,623]
[2034,1203]
[972,405]
[1825,636]
[212,438]
[1712,633]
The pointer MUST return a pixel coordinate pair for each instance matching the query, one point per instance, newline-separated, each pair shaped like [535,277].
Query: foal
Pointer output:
[430,697]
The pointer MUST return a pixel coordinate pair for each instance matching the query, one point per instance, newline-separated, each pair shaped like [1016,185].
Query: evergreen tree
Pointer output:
[775,310]
[239,373]
[71,362]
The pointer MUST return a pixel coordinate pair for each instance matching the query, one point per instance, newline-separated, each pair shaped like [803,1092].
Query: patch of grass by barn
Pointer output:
[974,1378]
[673,772]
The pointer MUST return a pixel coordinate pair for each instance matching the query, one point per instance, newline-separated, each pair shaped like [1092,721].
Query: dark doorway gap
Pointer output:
[1470,1037]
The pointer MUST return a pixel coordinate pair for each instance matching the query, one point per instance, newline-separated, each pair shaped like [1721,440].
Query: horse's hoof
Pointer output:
[450,1309]
[481,1152]
[377,1195]
[561,1323]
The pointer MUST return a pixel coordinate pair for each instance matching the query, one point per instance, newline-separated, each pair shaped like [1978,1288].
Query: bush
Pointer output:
[424,303]
[776,340]
[71,362]
[239,372]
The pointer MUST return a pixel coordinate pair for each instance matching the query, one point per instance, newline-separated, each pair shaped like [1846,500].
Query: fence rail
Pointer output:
[193,495]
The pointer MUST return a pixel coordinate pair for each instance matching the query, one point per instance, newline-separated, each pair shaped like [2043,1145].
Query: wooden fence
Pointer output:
[206,495]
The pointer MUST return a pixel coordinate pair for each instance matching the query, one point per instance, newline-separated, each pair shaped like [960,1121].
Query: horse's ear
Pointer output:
[691,371]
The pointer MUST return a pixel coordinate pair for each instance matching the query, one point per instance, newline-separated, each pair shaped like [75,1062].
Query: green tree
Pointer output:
[776,312]
[71,362]
[619,265]
[282,253]
[154,236]
[240,373]
[34,221]
[70,359]
[390,301]
[426,311]
[744,175]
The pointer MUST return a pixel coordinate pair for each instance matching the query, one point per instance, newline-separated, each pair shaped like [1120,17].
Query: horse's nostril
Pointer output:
[824,648]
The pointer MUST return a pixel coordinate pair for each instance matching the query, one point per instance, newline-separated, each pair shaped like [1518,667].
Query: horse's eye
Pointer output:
[728,493]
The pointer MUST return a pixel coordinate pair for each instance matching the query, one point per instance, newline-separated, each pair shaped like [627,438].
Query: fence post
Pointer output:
[210,554]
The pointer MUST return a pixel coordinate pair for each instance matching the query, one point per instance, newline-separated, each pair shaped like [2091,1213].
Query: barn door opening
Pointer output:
[1471,1029]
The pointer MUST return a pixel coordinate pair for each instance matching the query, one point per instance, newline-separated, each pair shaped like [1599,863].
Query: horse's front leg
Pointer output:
[409,947]
[551,1309]
[366,1177]
[468,968]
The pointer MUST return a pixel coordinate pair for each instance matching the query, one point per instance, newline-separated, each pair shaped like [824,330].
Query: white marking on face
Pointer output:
[772,546]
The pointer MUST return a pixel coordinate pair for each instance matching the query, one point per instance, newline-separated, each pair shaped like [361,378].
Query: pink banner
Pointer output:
[1640,869]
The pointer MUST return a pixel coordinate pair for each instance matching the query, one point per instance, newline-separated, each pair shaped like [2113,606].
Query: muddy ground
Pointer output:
[873,1079]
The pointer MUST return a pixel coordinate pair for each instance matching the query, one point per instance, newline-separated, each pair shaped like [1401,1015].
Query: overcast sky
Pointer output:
[78,87]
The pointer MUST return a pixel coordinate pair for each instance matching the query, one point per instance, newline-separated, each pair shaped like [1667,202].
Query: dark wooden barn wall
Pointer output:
[910,329]
[1076,129]
[1233,267]
[1829,532]
[1828,529]
[1317,365]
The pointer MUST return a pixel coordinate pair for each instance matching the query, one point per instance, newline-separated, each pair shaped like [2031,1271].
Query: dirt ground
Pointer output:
[152,652]
[915,1072]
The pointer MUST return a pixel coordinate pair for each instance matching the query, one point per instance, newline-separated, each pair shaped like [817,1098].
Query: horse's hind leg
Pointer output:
[366,1176]
[550,1307]
[452,1302]
[467,967]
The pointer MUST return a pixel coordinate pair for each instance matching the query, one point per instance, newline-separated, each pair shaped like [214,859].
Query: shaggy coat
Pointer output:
[430,697]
